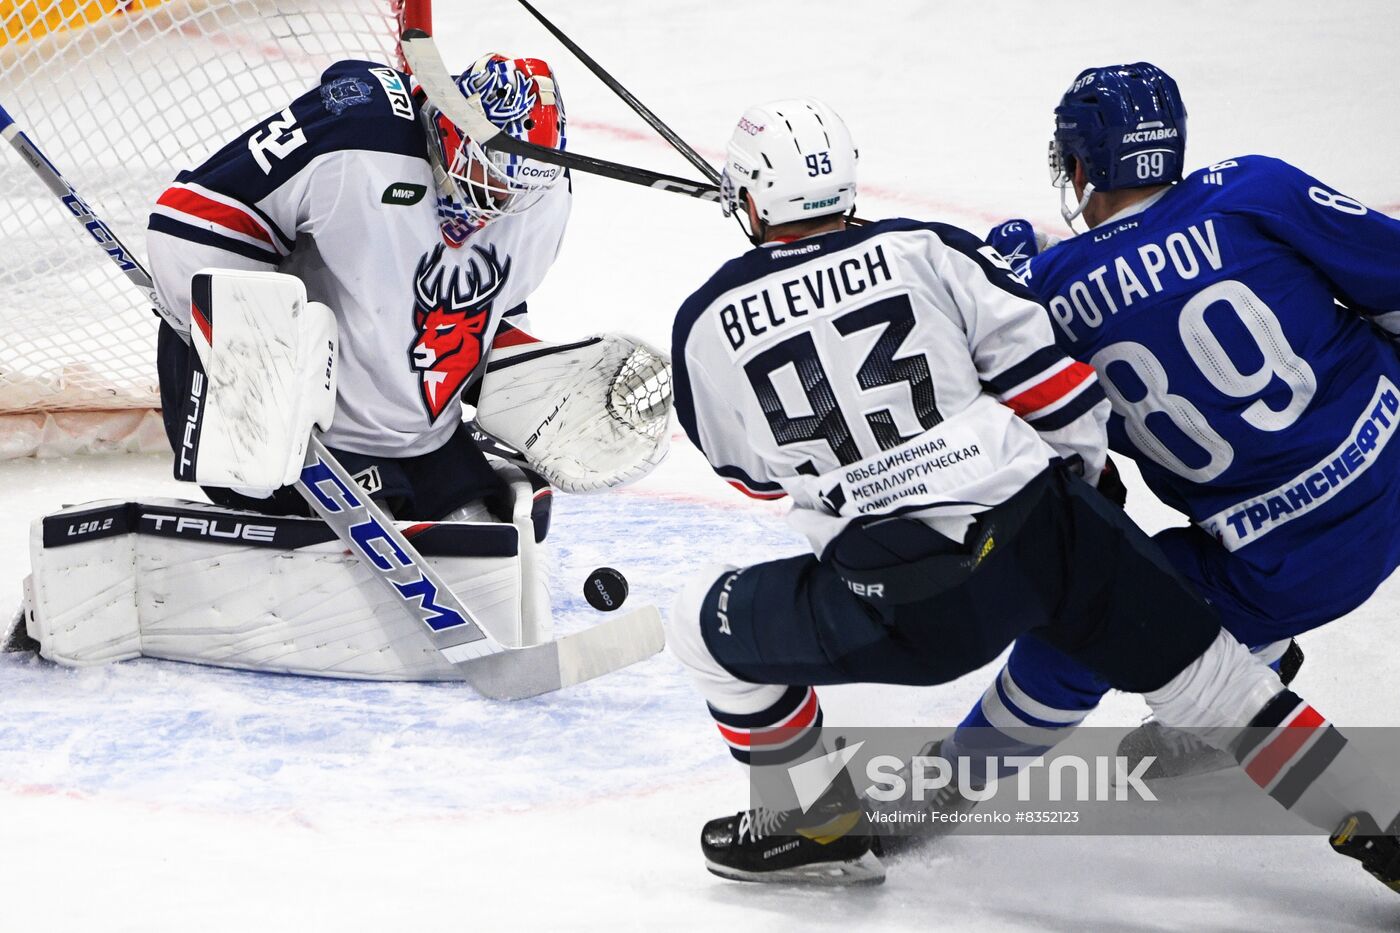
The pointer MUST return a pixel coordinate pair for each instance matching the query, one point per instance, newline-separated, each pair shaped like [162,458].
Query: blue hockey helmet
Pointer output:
[1125,124]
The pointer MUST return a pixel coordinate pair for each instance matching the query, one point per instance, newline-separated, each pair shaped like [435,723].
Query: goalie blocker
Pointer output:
[171,579]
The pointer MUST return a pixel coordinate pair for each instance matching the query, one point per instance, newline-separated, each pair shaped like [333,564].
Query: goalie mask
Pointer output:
[479,185]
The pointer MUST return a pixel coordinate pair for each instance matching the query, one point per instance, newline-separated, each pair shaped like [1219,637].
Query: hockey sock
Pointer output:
[784,731]
[1288,748]
[1305,763]
[1024,713]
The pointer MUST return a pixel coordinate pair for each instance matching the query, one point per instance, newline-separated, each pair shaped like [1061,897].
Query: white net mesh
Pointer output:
[122,95]
[640,396]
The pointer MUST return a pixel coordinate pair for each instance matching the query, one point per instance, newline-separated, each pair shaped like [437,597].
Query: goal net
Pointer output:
[122,95]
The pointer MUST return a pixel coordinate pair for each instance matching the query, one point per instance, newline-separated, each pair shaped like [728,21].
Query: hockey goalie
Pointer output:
[355,269]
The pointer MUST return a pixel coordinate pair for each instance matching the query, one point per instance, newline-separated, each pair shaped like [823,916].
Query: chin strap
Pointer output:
[759,236]
[1071,215]
[755,237]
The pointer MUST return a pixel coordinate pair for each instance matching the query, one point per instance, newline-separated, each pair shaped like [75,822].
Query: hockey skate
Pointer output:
[946,800]
[1378,852]
[1180,754]
[830,844]
[1176,753]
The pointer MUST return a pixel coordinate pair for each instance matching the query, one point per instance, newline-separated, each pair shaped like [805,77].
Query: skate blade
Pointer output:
[865,870]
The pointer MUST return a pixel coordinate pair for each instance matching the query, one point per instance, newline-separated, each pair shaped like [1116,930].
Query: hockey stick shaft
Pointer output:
[324,483]
[641,109]
[96,227]
[630,99]
[423,57]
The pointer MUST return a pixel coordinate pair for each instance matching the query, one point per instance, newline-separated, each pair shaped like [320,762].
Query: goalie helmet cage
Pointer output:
[122,95]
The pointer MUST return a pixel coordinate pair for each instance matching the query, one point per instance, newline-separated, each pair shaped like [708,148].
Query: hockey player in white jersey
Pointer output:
[902,386]
[370,265]
[424,246]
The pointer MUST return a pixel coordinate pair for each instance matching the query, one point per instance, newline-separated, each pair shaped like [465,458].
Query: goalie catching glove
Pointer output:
[588,415]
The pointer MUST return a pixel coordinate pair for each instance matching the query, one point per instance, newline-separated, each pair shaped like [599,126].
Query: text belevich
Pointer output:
[814,289]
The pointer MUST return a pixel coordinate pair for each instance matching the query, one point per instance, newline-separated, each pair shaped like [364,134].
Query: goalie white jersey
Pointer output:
[893,369]
[337,189]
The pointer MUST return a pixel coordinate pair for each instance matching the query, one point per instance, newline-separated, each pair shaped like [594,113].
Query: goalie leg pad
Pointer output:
[170,579]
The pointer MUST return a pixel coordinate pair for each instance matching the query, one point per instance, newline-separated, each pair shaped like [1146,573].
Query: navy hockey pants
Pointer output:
[1077,572]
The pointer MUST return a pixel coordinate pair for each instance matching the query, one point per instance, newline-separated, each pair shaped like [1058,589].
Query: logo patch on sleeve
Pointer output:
[399,101]
[343,93]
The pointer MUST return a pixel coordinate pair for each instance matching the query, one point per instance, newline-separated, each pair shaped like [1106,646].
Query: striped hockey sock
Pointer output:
[1303,761]
[783,732]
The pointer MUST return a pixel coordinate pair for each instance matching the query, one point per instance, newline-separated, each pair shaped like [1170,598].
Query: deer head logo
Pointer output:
[451,308]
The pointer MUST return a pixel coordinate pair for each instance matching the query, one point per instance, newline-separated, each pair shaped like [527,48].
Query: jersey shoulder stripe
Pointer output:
[199,207]
[358,107]
[206,236]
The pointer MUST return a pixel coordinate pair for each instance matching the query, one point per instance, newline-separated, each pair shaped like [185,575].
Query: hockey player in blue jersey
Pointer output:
[904,388]
[1241,319]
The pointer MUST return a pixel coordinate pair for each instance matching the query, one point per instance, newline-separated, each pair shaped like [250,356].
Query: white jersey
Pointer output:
[337,190]
[893,369]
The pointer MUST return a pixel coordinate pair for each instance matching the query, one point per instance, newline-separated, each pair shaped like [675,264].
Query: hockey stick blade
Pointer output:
[421,53]
[609,646]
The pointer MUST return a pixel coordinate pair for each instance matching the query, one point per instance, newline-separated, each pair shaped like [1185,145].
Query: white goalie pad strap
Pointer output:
[191,582]
[588,415]
[266,358]
[536,616]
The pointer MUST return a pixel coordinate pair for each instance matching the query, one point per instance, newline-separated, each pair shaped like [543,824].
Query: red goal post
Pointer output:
[123,94]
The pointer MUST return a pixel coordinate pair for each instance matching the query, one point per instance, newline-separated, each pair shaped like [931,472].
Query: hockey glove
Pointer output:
[587,416]
[1018,242]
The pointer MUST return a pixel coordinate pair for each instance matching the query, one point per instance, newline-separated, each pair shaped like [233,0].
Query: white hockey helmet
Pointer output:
[796,160]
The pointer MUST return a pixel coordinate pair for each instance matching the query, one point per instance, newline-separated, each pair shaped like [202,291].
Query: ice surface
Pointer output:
[152,796]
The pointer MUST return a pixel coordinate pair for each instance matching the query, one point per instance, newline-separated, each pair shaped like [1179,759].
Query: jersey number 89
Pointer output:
[1214,363]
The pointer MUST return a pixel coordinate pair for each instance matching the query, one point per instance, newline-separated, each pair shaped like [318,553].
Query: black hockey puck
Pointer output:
[605,589]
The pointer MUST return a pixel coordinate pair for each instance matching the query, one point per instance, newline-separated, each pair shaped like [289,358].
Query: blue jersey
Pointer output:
[1241,325]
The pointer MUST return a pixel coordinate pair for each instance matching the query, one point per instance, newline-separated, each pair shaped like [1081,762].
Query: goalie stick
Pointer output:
[641,109]
[424,60]
[493,670]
